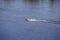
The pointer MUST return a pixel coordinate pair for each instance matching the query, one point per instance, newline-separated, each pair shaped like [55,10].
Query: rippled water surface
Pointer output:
[14,27]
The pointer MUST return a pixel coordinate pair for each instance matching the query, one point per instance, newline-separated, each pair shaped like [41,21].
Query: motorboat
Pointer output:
[28,19]
[35,20]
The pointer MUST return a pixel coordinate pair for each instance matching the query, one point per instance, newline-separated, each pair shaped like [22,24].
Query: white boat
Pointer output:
[35,20]
[28,19]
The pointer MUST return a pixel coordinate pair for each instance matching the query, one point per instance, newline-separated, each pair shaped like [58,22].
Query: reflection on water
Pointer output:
[32,2]
[52,2]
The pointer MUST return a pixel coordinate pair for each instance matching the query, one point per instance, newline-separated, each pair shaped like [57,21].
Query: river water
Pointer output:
[14,27]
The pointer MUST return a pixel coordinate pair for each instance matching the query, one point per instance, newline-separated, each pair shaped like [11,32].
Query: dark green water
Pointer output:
[14,27]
